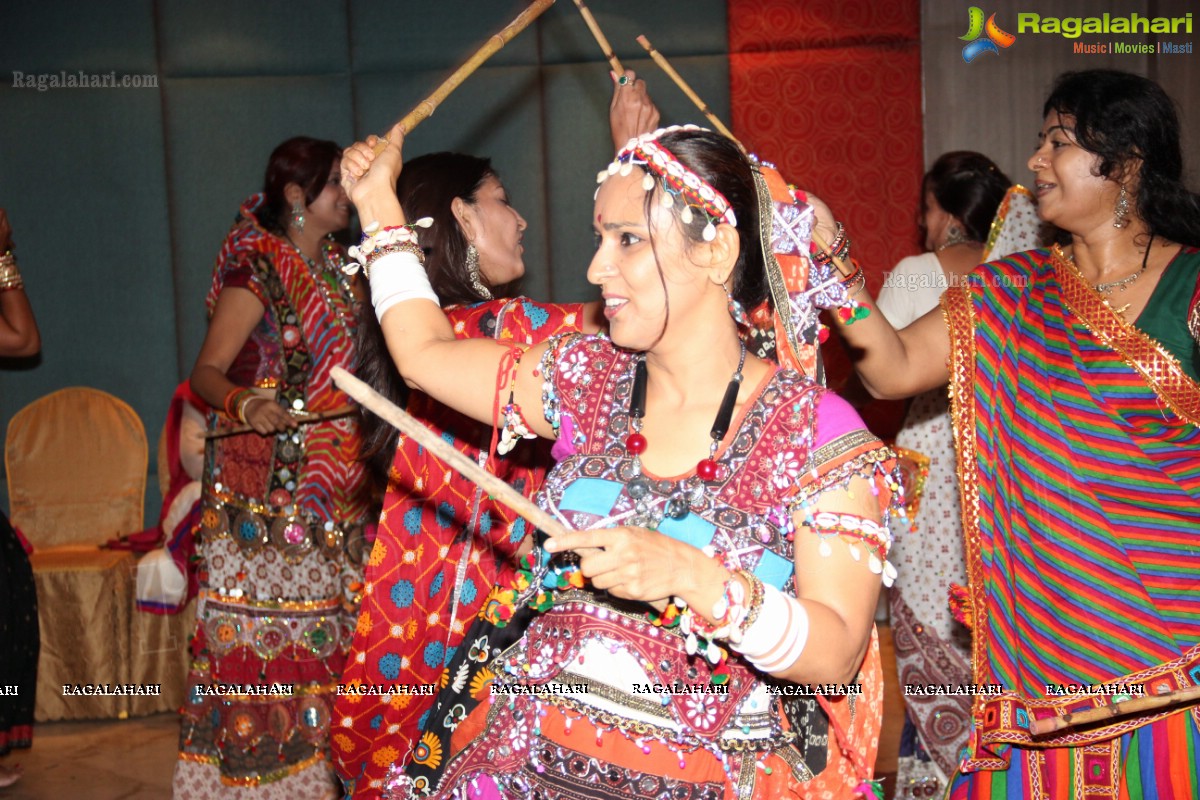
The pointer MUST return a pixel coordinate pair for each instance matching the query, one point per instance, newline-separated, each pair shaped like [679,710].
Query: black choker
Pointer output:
[635,444]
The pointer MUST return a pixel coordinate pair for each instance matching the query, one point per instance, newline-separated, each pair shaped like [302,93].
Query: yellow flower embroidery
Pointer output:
[428,751]
[481,682]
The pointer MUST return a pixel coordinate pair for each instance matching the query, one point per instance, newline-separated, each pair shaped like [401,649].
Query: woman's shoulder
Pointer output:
[1026,262]
[535,321]
[247,238]
[829,414]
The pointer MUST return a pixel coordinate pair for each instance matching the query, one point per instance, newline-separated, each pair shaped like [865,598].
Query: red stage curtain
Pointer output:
[830,92]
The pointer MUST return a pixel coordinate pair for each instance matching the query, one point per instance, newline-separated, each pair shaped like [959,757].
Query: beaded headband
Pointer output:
[678,182]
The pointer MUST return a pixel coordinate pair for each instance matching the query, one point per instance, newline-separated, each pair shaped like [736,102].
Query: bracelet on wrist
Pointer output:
[234,400]
[10,276]
[377,242]
[244,403]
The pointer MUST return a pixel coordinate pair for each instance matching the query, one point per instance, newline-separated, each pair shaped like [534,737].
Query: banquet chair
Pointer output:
[76,461]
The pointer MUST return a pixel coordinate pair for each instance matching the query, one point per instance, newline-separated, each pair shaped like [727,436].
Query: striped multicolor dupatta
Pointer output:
[1079,453]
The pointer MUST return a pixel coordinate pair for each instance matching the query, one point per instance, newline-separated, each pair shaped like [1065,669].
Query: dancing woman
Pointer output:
[1076,408]
[728,549]
[442,542]
[283,504]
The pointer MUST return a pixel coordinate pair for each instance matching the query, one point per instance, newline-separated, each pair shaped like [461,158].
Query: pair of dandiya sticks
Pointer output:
[501,491]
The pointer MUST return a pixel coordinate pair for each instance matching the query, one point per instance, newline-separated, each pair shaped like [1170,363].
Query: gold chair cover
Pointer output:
[77,468]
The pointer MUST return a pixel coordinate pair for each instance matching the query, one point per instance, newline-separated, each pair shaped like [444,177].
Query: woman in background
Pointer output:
[284,502]
[1074,376]
[960,195]
[19,337]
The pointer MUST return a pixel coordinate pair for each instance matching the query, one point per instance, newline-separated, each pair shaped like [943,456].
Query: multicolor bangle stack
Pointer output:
[378,242]
[236,401]
[839,248]
[10,276]
[851,311]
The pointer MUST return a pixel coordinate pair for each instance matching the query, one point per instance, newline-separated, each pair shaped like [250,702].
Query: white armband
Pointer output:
[397,277]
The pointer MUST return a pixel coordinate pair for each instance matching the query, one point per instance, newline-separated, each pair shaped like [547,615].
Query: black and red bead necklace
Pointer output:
[636,444]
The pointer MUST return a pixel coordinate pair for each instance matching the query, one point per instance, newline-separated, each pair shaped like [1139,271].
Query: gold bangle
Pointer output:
[756,598]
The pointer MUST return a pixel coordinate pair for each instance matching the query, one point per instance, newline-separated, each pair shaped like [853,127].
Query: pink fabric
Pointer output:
[483,788]
[835,417]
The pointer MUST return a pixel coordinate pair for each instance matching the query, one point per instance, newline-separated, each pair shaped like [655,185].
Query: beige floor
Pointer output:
[103,760]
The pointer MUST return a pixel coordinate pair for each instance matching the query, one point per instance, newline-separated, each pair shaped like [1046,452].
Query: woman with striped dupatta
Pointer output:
[1073,375]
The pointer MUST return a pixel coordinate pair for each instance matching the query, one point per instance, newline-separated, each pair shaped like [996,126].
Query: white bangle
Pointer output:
[767,647]
[397,277]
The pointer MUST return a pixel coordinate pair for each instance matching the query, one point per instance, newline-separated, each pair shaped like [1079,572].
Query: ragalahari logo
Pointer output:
[995,37]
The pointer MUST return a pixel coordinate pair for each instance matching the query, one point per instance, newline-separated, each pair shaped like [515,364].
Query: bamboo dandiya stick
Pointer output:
[1139,705]
[414,428]
[303,419]
[605,47]
[666,67]
[426,107]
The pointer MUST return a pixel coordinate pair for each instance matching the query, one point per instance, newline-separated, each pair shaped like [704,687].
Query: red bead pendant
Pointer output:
[635,443]
[707,469]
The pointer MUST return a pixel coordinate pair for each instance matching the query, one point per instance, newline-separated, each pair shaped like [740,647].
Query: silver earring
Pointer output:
[954,235]
[473,272]
[1121,209]
[297,217]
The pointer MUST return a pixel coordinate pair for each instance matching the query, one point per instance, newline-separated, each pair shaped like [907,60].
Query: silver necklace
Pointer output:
[1123,283]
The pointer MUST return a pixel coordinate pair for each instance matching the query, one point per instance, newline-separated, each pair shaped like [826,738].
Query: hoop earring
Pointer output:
[474,274]
[297,217]
[1121,209]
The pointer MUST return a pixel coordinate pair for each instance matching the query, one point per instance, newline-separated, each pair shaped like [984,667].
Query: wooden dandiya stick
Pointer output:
[303,419]
[426,107]
[1139,705]
[605,47]
[409,425]
[666,67]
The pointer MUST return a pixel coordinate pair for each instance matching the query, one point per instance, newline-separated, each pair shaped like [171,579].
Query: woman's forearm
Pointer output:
[19,336]
[895,364]
[211,384]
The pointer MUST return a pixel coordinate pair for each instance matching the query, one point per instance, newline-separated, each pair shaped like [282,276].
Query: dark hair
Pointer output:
[970,187]
[427,187]
[1122,117]
[719,162]
[301,160]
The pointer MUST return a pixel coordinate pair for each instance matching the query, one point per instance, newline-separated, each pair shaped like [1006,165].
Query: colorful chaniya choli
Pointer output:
[442,544]
[281,538]
[600,698]
[1079,448]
